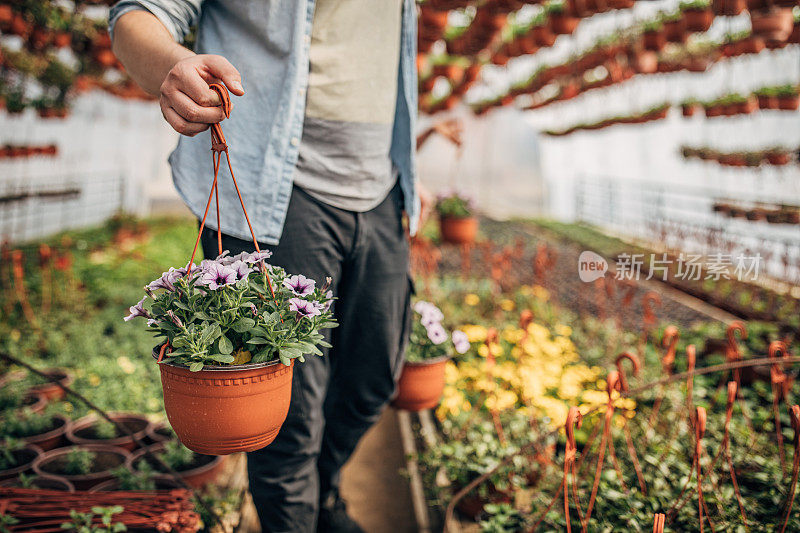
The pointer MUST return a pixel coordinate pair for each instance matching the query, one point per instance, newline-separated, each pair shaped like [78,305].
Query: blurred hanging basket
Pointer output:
[421,385]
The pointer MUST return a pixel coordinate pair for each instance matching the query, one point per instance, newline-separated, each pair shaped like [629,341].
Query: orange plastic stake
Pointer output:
[658,523]
[574,420]
[726,447]
[794,414]
[732,352]
[670,342]
[777,350]
[700,430]
[637,366]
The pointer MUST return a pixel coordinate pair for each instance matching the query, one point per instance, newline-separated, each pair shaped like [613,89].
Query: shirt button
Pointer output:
[295,141]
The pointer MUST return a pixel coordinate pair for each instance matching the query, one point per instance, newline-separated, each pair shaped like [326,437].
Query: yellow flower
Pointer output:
[126,365]
[564,331]
[541,293]
[506,305]
[474,333]
[94,380]
[472,299]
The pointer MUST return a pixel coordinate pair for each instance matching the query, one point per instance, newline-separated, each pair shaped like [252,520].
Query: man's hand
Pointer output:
[186,101]
[178,76]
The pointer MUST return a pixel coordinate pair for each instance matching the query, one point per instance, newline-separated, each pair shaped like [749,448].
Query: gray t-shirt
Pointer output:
[347,132]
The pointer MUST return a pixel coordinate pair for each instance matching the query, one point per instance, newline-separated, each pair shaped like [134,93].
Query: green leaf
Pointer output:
[180,305]
[202,315]
[244,324]
[222,358]
[196,366]
[257,340]
[225,345]
[329,324]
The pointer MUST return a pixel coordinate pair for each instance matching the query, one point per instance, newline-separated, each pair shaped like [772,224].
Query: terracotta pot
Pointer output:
[794,37]
[62,39]
[748,106]
[774,24]
[159,433]
[729,7]
[222,410]
[50,439]
[207,469]
[675,31]
[42,482]
[789,103]
[458,230]
[563,24]
[163,482]
[420,385]
[471,505]
[51,390]
[543,36]
[80,431]
[713,111]
[25,457]
[698,20]
[777,158]
[106,459]
[756,214]
[654,40]
[688,110]
[34,401]
[767,102]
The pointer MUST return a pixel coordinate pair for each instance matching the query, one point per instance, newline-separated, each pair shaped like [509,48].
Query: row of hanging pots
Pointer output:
[18,151]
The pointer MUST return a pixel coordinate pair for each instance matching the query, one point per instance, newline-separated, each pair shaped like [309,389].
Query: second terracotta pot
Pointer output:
[82,431]
[106,459]
[204,469]
[223,410]
[421,385]
[458,230]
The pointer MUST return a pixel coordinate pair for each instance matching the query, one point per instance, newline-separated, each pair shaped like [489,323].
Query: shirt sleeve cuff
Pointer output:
[126,6]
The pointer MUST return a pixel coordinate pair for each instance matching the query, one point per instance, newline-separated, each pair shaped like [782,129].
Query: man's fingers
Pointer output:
[179,124]
[191,112]
[221,68]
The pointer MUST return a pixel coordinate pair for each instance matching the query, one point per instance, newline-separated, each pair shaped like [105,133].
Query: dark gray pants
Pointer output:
[335,398]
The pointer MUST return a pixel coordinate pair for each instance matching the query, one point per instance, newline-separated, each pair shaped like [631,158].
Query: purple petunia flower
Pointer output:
[167,279]
[304,307]
[299,284]
[216,275]
[460,341]
[327,305]
[437,334]
[252,258]
[242,269]
[137,310]
[430,313]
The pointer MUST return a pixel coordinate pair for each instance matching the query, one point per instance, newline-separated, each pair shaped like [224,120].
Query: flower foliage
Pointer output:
[429,338]
[224,313]
[454,204]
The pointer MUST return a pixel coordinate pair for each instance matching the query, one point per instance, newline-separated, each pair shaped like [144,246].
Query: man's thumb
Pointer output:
[221,68]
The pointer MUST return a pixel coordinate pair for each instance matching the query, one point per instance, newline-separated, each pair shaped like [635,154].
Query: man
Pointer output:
[322,147]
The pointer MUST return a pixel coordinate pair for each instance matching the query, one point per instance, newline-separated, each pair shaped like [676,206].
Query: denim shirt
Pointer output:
[268,42]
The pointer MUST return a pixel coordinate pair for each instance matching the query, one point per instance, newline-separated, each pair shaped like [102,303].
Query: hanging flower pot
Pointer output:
[248,405]
[774,24]
[430,347]
[83,466]
[787,98]
[457,224]
[195,469]
[675,30]
[234,326]
[17,459]
[689,108]
[698,18]
[777,157]
[93,430]
[563,24]
[543,36]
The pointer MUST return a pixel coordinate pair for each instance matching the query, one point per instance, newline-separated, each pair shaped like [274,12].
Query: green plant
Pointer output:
[695,5]
[78,462]
[502,518]
[176,455]
[7,520]
[234,310]
[26,424]
[453,204]
[652,25]
[140,479]
[7,457]
[84,522]
[104,430]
